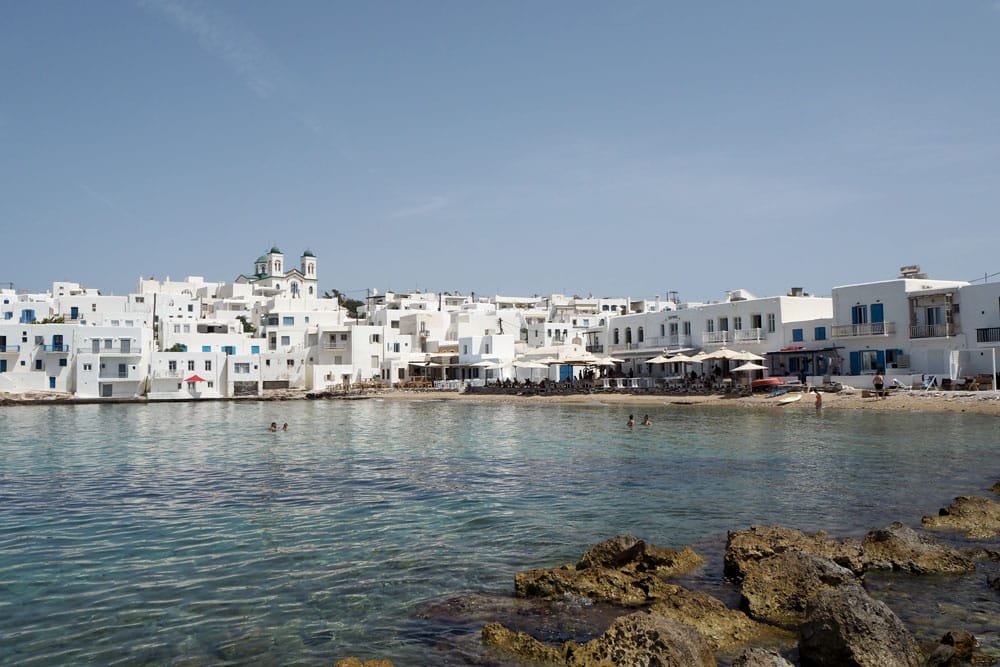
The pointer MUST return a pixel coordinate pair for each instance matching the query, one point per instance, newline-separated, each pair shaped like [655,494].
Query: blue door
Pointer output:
[74,313]
[565,372]
[880,359]
[855,363]
[877,313]
[52,383]
[3,365]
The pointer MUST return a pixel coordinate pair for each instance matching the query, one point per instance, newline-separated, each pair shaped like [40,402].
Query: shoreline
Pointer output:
[982,402]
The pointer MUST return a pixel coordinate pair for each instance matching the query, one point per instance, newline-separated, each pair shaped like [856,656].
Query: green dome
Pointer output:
[274,249]
[308,253]
[261,260]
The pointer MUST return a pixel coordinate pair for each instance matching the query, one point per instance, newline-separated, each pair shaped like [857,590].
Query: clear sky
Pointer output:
[514,147]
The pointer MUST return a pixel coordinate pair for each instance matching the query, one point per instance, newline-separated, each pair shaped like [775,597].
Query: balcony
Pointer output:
[167,373]
[715,338]
[10,349]
[126,350]
[859,330]
[59,347]
[988,335]
[339,345]
[933,330]
[749,335]
[597,349]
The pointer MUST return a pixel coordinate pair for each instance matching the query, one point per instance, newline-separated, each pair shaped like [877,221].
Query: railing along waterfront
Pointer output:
[869,329]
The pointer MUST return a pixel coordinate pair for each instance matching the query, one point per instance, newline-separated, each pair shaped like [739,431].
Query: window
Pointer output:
[38,364]
[487,348]
[62,361]
[663,330]
[286,340]
[687,328]
[187,328]
[255,349]
[797,335]
[115,323]
[88,367]
[723,324]
[737,323]
[343,336]
[615,337]
[242,368]
[190,364]
[710,326]
[756,321]
[108,343]
[210,384]
[288,321]
[208,364]
[465,349]
[859,314]
[375,338]
[140,299]
[337,359]
[190,307]
[206,348]
[177,328]
[272,320]
[820,333]
[290,363]
[172,365]
[628,335]
[770,323]
[640,335]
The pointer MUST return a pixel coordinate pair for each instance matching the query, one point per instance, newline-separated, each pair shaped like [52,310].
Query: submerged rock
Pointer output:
[777,589]
[522,645]
[746,547]
[355,662]
[978,517]
[845,627]
[898,547]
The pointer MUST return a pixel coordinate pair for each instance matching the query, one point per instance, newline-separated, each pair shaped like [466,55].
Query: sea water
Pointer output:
[190,534]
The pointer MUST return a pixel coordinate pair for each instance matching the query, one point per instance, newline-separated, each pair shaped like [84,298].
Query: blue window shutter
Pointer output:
[797,335]
[206,348]
[855,363]
[878,313]
[255,349]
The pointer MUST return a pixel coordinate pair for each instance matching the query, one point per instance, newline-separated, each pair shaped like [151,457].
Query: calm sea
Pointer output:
[189,534]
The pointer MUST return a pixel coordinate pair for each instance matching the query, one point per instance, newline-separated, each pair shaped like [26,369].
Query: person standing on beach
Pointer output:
[878,382]
[819,399]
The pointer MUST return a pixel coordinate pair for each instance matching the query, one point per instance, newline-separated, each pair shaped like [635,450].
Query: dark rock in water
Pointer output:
[549,620]
[845,627]
[978,553]
[623,569]
[746,547]
[760,657]
[963,642]
[978,517]
[355,662]
[994,583]
[643,640]
[898,547]
[995,488]
[777,589]
[724,628]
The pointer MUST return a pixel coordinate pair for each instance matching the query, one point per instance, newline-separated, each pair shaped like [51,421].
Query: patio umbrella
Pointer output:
[658,359]
[750,366]
[723,353]
[196,378]
[681,358]
[529,364]
[745,355]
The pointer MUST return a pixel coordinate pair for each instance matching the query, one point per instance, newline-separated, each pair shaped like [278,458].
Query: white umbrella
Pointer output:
[529,364]
[723,353]
[659,359]
[681,358]
[750,366]
[745,355]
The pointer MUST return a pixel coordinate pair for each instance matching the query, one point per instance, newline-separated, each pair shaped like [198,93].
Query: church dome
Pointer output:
[308,253]
[274,249]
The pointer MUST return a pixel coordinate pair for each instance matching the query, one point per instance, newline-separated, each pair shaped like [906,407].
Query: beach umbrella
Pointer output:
[681,358]
[723,353]
[196,378]
[745,355]
[659,359]
[750,366]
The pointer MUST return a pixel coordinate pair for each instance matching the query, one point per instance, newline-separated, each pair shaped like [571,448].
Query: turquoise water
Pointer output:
[188,534]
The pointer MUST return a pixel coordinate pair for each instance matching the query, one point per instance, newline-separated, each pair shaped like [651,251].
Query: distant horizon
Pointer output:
[514,148]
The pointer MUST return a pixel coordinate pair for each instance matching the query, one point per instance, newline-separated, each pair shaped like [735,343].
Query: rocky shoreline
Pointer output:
[803,600]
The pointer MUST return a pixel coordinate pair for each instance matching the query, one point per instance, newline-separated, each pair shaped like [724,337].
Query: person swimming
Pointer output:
[631,421]
[273,427]
[646,421]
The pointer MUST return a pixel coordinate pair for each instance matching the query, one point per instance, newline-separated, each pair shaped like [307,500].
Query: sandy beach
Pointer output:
[985,402]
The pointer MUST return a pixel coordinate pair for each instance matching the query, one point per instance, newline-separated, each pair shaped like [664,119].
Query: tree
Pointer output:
[248,327]
[178,347]
[351,305]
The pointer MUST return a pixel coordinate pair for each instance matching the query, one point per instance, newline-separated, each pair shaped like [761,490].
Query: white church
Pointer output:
[271,277]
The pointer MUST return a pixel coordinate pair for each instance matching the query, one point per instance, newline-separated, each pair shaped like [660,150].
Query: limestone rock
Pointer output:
[760,657]
[898,547]
[724,628]
[521,644]
[995,488]
[777,589]
[355,662]
[978,517]
[623,569]
[643,640]
[745,547]
[845,627]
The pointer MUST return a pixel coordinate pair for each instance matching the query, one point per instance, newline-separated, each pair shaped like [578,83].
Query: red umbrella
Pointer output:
[196,378]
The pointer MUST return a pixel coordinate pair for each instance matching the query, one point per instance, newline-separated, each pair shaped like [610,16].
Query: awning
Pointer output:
[196,378]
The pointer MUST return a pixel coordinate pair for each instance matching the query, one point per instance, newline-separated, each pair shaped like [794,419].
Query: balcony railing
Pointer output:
[131,350]
[9,348]
[715,337]
[932,330]
[167,373]
[341,345]
[598,349]
[749,335]
[869,329]
[988,335]
[55,348]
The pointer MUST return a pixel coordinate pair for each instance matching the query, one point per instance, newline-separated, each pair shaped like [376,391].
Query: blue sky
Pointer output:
[515,147]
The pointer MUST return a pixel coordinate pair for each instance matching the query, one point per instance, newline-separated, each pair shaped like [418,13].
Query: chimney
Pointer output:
[796,291]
